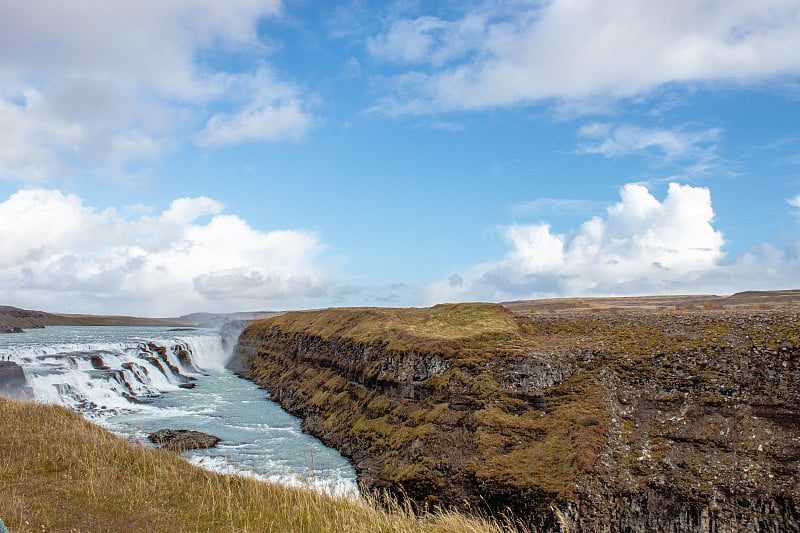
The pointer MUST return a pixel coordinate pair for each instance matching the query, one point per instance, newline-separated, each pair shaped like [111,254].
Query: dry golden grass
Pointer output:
[441,328]
[59,472]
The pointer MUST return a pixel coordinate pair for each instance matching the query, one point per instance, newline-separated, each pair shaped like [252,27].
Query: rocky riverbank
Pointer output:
[676,418]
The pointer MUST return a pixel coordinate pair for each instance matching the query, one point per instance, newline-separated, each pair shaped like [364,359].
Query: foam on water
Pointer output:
[129,380]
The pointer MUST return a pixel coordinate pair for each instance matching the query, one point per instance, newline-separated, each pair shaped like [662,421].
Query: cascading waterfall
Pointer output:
[104,378]
[137,380]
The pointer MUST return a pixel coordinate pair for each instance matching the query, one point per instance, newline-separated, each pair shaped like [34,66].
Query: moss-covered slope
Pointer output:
[607,420]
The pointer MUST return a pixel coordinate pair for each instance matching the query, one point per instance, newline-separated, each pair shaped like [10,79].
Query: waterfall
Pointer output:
[110,370]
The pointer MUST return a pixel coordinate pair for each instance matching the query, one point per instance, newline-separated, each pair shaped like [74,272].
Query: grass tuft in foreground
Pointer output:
[59,472]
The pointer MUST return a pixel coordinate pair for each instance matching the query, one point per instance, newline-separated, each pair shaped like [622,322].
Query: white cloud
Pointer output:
[642,245]
[103,85]
[274,112]
[555,206]
[579,50]
[795,202]
[187,258]
[594,130]
[671,144]
[28,236]
[268,123]
[407,40]
[149,43]
[535,249]
[428,39]
[32,141]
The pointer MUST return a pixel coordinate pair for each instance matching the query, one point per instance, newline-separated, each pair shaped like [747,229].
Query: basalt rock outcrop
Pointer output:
[12,382]
[665,419]
[180,440]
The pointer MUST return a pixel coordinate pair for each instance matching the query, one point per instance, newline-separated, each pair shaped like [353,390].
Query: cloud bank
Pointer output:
[641,246]
[189,257]
[63,255]
[505,53]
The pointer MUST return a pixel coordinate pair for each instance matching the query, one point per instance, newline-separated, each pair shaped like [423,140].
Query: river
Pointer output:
[136,380]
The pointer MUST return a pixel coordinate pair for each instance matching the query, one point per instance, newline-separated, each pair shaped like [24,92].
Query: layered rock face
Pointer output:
[654,420]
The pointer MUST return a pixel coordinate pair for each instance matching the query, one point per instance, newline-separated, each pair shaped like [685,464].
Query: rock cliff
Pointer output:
[664,419]
[12,382]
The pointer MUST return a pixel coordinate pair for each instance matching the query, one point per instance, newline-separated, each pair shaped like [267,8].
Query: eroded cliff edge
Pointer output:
[667,420]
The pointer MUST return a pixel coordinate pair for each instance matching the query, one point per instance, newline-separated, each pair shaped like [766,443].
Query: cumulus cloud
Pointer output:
[60,252]
[762,267]
[99,84]
[641,245]
[581,50]
[28,236]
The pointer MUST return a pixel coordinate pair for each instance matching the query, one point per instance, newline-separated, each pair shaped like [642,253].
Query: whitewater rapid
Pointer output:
[136,380]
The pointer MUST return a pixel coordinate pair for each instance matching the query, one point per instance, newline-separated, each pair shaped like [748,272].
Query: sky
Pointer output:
[162,158]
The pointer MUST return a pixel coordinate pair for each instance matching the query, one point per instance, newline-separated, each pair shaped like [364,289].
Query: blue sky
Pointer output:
[164,158]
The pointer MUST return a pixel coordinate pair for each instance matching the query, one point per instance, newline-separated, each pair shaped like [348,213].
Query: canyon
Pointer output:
[641,414]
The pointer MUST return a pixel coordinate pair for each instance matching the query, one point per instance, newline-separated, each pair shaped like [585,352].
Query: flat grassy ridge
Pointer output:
[59,472]
[446,329]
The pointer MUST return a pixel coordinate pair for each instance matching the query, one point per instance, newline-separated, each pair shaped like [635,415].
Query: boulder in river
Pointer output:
[98,363]
[180,440]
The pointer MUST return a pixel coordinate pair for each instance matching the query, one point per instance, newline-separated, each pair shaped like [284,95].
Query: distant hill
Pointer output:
[16,319]
[765,299]
[218,319]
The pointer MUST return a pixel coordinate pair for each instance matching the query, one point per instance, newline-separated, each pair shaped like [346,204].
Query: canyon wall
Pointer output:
[678,420]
